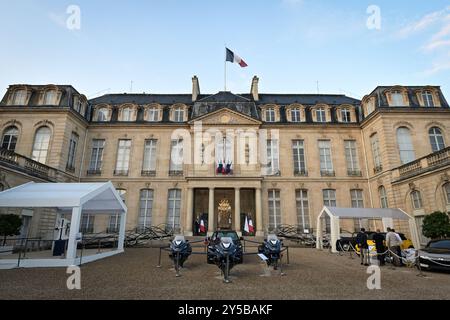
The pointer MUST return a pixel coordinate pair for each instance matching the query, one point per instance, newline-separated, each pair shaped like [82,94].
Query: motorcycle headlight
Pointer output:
[226,245]
[273,242]
[178,242]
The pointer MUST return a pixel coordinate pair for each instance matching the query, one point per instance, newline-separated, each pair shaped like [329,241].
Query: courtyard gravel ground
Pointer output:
[311,274]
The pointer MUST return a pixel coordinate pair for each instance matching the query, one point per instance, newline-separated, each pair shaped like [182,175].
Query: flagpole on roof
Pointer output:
[225,69]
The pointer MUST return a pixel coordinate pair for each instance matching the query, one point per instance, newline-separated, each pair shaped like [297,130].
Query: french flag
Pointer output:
[202,227]
[234,58]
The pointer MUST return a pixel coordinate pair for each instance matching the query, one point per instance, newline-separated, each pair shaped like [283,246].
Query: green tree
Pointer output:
[10,225]
[436,225]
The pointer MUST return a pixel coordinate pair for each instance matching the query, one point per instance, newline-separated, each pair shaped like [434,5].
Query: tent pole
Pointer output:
[74,229]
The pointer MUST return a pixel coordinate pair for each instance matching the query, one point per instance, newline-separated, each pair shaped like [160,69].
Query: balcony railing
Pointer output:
[354,173]
[28,166]
[327,173]
[300,173]
[427,163]
[94,172]
[148,173]
[176,173]
[122,173]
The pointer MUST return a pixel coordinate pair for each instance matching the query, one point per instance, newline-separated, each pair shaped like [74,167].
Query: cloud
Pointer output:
[436,44]
[425,22]
[438,67]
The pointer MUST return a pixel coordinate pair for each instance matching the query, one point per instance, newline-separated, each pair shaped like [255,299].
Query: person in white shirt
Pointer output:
[393,242]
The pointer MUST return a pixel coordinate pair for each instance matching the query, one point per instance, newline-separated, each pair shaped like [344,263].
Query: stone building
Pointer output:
[272,159]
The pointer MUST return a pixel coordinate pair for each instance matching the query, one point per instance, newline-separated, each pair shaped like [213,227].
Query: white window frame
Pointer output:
[325,156]
[41,145]
[176,156]
[10,137]
[296,115]
[274,197]
[123,155]
[146,199]
[153,114]
[436,139]
[321,115]
[73,144]
[273,156]
[351,155]
[103,115]
[376,154]
[150,153]
[427,97]
[384,201]
[174,209]
[298,149]
[302,205]
[270,114]
[178,114]
[416,199]
[346,115]
[397,99]
[96,161]
[126,114]
[405,145]
[50,97]
[20,97]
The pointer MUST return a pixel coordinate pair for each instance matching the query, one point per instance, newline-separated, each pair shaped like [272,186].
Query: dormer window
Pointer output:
[153,114]
[178,114]
[397,99]
[346,115]
[427,98]
[19,98]
[50,98]
[370,106]
[296,115]
[321,115]
[270,115]
[103,115]
[126,114]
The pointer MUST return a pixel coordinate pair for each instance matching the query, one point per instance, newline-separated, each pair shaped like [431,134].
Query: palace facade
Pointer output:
[388,150]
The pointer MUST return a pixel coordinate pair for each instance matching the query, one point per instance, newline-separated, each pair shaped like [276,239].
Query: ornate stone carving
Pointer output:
[224,215]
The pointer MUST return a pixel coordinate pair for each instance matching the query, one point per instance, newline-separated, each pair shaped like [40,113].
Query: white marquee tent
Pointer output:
[74,198]
[386,215]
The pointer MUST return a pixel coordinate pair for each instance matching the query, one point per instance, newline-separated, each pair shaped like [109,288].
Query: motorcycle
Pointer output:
[271,248]
[225,254]
[180,250]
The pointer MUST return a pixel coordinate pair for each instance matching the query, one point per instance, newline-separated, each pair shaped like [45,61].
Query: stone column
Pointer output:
[237,210]
[259,217]
[189,212]
[211,227]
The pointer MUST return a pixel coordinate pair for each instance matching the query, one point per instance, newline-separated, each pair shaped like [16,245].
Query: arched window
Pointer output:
[19,98]
[436,139]
[397,99]
[383,197]
[405,145]
[321,115]
[296,115]
[427,98]
[50,98]
[41,144]
[416,199]
[102,115]
[9,140]
[126,114]
[447,192]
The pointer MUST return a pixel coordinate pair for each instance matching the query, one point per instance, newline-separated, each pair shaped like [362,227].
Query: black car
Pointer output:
[215,241]
[436,255]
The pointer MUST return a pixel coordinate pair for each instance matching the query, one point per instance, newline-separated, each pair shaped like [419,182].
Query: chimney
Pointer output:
[254,91]
[195,88]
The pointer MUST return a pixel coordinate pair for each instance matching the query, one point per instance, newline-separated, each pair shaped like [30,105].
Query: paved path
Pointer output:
[311,275]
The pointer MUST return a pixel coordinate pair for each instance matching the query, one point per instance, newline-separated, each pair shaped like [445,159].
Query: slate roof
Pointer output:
[379,91]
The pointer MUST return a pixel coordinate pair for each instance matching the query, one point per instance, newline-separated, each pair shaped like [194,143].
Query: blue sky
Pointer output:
[289,44]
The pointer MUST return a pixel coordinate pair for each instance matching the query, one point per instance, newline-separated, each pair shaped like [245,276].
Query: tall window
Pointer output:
[274,210]
[50,98]
[114,220]
[72,151]
[19,98]
[145,209]
[397,99]
[427,98]
[123,157]
[383,197]
[224,150]
[326,162]
[436,139]
[351,155]
[41,145]
[273,159]
[270,115]
[95,164]
[176,156]
[357,202]
[178,114]
[301,197]
[153,114]
[173,207]
[9,140]
[321,115]
[346,115]
[126,114]
[375,144]
[329,200]
[298,149]
[296,115]
[150,155]
[102,115]
[87,223]
[447,192]
[405,145]
[416,199]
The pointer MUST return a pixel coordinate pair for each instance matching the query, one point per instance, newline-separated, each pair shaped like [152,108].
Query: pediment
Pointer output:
[225,117]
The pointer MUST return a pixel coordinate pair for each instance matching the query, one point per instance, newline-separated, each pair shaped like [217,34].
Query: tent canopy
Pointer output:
[364,213]
[93,197]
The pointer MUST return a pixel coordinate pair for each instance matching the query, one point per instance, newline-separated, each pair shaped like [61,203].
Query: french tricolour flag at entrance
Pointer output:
[234,58]
[202,226]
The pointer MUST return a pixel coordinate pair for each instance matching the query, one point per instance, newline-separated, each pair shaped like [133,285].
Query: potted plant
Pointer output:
[10,225]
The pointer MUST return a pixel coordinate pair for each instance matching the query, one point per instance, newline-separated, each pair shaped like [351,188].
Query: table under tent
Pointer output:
[69,200]
[386,215]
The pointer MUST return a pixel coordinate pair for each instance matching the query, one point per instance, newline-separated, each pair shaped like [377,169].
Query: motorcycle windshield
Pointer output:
[272,237]
[178,240]
[226,242]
